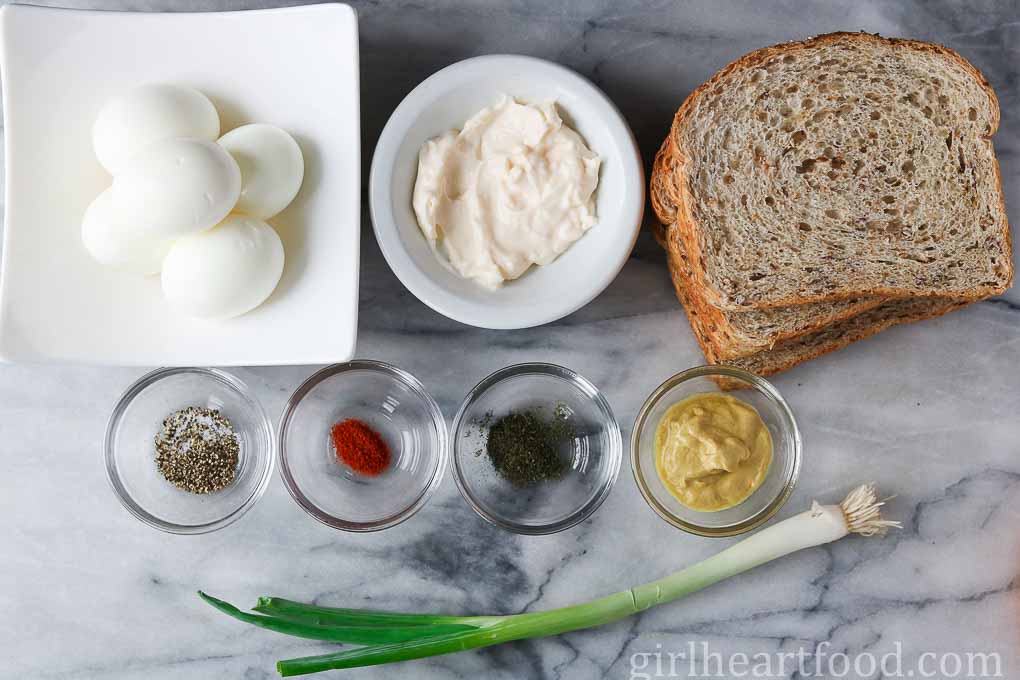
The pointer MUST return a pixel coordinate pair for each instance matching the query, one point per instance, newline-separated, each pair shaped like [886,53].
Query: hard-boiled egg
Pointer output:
[224,272]
[272,168]
[115,243]
[132,121]
[177,187]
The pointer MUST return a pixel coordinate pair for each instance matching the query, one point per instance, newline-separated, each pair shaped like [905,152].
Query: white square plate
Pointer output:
[293,67]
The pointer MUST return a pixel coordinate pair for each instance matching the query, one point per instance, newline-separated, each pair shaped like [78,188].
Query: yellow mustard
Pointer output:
[712,451]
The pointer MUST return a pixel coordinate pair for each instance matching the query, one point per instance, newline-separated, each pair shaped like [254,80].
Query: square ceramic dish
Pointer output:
[293,67]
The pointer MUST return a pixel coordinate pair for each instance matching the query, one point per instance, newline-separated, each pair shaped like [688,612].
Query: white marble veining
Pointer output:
[929,411]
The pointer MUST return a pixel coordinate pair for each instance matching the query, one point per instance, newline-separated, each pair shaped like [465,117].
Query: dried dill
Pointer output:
[525,448]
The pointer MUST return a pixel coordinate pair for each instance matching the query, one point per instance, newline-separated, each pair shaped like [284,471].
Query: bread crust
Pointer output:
[662,203]
[674,188]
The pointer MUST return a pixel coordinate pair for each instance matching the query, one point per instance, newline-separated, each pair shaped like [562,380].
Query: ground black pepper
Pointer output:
[197,450]
[525,449]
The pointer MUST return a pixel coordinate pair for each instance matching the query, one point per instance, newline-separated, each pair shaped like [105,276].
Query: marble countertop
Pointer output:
[929,411]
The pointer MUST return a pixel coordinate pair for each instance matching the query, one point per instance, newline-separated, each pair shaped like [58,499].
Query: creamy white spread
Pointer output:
[515,187]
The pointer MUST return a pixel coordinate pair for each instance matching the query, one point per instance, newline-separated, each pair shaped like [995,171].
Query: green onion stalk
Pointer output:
[388,637]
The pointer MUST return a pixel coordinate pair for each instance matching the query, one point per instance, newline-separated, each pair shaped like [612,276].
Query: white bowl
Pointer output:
[444,102]
[295,67]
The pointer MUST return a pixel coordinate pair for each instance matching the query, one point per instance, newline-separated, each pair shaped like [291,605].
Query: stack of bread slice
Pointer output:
[815,193]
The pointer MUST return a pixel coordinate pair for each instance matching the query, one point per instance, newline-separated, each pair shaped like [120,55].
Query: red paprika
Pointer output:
[360,447]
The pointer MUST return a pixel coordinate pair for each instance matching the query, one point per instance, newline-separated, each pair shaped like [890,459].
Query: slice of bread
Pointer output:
[843,166]
[739,334]
[746,332]
[788,353]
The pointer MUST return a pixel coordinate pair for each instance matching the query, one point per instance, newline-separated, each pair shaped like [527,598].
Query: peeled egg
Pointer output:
[225,271]
[115,243]
[132,121]
[177,187]
[272,168]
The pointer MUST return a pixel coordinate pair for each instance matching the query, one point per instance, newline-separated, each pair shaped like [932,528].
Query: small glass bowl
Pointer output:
[394,404]
[130,449]
[594,453]
[786,451]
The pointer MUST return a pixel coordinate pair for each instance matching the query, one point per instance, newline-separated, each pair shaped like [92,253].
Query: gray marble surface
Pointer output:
[929,411]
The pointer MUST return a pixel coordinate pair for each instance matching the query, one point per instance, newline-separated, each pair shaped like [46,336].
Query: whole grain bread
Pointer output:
[791,352]
[788,353]
[843,166]
[739,334]
[746,332]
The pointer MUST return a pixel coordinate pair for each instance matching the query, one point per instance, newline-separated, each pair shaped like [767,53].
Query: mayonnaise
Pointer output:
[514,188]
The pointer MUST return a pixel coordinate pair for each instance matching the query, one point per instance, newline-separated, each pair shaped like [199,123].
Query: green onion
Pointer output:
[353,632]
[287,609]
[392,637]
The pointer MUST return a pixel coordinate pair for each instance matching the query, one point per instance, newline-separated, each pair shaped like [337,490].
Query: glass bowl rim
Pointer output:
[772,394]
[614,451]
[401,376]
[232,383]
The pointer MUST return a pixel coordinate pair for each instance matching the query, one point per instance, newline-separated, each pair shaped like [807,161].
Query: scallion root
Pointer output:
[863,512]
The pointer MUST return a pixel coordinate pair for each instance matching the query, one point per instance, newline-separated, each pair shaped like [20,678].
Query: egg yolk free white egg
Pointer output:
[272,168]
[224,272]
[115,243]
[177,187]
[132,121]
